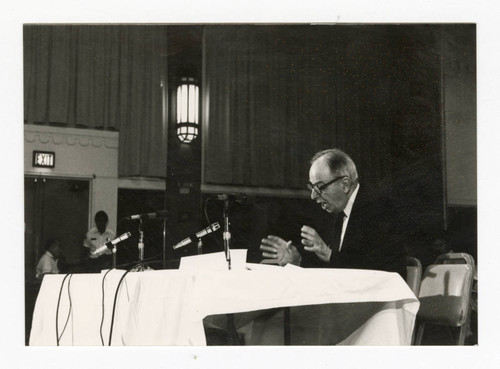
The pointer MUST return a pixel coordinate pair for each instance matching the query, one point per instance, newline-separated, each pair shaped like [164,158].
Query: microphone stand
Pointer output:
[140,267]
[113,257]
[233,337]
[227,234]
[164,243]
[200,246]
[140,245]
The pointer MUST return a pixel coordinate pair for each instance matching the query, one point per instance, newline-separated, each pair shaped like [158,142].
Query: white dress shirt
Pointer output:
[94,239]
[46,265]
[347,212]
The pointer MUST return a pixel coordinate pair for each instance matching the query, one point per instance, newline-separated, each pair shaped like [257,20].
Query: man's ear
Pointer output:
[346,184]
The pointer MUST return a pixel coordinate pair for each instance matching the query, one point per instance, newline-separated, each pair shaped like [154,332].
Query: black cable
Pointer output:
[114,306]
[121,220]
[205,210]
[102,315]
[137,262]
[70,307]
[57,309]
[148,263]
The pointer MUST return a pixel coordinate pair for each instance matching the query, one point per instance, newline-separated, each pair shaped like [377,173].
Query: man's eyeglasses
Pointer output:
[320,187]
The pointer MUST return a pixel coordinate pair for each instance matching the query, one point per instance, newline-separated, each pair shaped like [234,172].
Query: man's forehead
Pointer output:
[319,171]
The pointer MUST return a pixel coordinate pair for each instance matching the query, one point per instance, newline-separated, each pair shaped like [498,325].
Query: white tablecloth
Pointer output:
[167,307]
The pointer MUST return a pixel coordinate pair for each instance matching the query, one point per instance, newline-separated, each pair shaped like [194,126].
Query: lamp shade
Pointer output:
[187,110]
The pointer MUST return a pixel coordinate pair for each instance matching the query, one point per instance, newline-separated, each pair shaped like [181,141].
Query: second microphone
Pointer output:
[211,228]
[108,245]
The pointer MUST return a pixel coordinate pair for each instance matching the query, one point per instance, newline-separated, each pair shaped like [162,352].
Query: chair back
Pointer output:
[413,274]
[455,258]
[446,289]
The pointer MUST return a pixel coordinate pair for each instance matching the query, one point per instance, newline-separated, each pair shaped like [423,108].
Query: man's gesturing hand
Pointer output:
[314,243]
[277,251]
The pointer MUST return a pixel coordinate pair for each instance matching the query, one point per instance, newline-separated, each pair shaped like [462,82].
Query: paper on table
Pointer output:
[254,266]
[215,261]
[238,259]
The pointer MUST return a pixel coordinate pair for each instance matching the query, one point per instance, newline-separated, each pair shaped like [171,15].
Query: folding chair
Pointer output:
[413,274]
[445,294]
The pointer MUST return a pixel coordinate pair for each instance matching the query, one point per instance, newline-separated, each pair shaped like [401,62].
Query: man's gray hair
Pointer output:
[339,163]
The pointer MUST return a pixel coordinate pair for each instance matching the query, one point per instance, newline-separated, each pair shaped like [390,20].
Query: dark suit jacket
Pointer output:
[373,239]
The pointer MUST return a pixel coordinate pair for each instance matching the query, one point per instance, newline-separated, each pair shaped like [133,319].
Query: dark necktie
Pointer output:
[337,231]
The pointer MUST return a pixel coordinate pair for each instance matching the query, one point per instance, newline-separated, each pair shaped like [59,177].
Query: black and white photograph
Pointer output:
[272,187]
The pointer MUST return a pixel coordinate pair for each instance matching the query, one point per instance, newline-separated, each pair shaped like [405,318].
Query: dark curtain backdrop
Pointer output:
[101,77]
[275,95]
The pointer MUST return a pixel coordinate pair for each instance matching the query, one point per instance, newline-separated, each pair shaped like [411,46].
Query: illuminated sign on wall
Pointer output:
[44,159]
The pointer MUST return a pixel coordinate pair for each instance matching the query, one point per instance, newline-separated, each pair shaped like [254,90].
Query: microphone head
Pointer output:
[123,237]
[213,227]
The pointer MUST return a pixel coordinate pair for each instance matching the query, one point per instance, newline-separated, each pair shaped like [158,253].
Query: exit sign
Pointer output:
[44,159]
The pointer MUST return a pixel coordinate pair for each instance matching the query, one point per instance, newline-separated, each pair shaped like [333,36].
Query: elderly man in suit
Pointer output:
[363,233]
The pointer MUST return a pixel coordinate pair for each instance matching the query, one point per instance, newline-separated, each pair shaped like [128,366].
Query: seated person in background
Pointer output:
[98,236]
[48,262]
[363,233]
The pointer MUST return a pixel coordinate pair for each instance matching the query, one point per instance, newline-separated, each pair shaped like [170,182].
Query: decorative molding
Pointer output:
[57,139]
[44,138]
[96,141]
[70,136]
[29,136]
[84,141]
[71,140]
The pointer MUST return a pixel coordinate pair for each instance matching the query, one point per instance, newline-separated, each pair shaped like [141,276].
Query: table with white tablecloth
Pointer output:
[167,307]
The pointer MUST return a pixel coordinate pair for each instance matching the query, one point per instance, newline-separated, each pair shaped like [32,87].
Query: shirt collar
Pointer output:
[50,254]
[350,202]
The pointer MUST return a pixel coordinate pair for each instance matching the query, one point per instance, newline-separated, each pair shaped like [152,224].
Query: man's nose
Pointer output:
[314,195]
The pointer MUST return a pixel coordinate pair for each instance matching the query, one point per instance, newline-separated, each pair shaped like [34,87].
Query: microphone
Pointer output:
[109,244]
[160,214]
[211,228]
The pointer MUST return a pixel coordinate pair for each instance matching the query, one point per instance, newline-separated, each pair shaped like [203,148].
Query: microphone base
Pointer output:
[141,268]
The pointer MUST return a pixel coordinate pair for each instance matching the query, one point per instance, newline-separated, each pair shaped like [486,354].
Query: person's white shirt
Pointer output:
[46,265]
[347,212]
[94,239]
